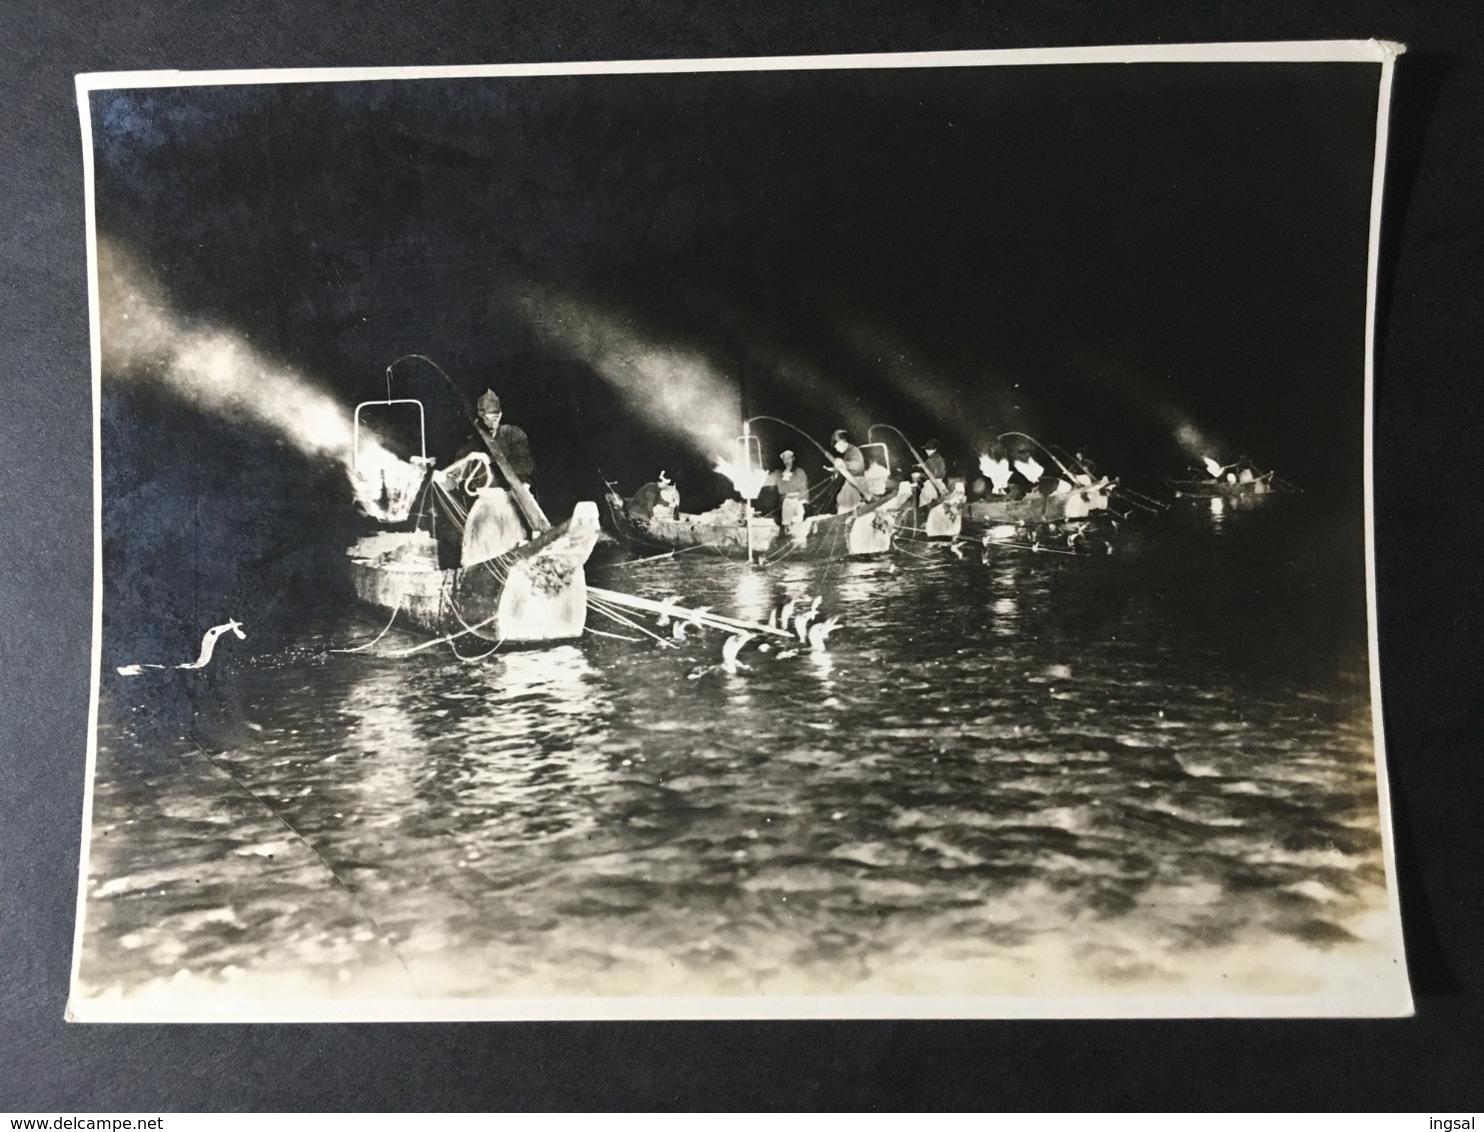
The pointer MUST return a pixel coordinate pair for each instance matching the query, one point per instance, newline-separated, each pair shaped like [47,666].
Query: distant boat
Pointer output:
[1224,488]
[734,532]
[1080,502]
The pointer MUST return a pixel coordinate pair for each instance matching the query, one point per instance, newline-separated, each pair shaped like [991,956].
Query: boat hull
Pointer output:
[943,519]
[1034,508]
[862,533]
[533,594]
[1220,489]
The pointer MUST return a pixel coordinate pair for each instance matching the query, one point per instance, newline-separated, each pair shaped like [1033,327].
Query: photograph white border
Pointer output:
[1392,995]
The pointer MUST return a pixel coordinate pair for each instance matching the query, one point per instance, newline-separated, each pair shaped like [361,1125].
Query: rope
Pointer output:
[440,640]
[368,644]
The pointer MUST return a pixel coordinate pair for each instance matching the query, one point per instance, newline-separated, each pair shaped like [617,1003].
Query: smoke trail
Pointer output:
[212,368]
[677,389]
[1194,441]
[217,370]
[946,402]
[783,364]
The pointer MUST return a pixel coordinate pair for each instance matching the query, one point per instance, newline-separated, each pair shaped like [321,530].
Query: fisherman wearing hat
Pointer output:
[792,485]
[935,469]
[471,470]
[935,466]
[655,500]
[510,439]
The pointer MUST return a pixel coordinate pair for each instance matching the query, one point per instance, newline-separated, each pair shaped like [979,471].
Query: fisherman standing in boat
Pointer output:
[849,465]
[935,466]
[792,485]
[510,439]
[457,486]
[935,469]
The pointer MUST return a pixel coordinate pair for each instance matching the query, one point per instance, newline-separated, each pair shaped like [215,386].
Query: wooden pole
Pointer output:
[716,620]
[535,518]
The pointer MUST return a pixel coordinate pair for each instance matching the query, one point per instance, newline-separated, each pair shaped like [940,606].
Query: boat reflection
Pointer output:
[1006,606]
[753,596]
[474,731]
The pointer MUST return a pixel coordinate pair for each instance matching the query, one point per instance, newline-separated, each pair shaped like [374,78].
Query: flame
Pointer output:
[385,486]
[144,337]
[1212,466]
[746,479]
[1030,469]
[998,471]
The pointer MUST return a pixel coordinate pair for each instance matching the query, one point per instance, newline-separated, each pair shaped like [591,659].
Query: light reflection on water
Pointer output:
[1145,770]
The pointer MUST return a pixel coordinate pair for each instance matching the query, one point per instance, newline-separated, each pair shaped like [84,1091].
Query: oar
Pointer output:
[941,487]
[531,511]
[529,508]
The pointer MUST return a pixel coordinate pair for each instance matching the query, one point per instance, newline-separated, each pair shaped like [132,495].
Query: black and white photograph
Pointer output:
[840,536]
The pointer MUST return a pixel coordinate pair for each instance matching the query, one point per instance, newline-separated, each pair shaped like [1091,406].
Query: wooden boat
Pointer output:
[520,580]
[1223,488]
[531,594]
[940,517]
[1034,508]
[733,533]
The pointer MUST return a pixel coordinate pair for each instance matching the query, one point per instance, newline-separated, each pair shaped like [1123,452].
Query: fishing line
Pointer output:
[669,554]
[440,640]
[1036,548]
[632,624]
[453,648]
[1122,490]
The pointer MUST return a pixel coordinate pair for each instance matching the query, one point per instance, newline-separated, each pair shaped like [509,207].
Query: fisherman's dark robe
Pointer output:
[855,463]
[513,444]
[782,485]
[642,503]
[1017,485]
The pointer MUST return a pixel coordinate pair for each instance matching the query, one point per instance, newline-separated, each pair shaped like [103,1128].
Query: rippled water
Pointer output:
[1012,772]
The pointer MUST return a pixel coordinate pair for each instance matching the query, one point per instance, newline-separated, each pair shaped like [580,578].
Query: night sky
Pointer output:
[1090,253]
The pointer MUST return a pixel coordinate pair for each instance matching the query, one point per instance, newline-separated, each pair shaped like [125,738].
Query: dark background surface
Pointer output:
[1428,531]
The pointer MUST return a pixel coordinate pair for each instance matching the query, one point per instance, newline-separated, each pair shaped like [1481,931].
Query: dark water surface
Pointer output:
[1149,771]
